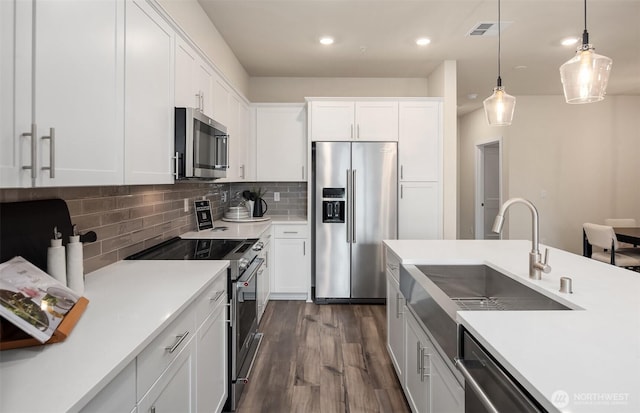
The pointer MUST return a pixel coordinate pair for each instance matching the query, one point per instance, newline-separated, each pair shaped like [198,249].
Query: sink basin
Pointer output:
[481,288]
[435,293]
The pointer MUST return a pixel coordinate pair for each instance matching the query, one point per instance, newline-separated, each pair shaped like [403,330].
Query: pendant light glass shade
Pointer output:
[585,76]
[499,107]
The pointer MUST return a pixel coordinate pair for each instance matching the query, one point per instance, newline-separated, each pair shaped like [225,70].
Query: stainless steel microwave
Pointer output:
[201,145]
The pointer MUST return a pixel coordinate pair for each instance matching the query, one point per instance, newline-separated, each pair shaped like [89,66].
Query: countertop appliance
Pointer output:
[488,387]
[201,145]
[355,195]
[244,338]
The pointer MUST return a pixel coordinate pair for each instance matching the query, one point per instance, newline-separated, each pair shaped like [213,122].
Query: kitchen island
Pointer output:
[130,304]
[584,360]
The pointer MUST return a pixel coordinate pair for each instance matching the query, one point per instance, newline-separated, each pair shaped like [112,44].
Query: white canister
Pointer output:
[249,205]
[56,261]
[75,267]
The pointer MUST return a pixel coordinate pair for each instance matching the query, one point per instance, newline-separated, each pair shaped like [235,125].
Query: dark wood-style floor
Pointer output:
[323,358]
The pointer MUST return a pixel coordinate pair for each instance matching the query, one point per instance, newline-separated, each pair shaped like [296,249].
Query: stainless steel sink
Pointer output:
[436,292]
[480,287]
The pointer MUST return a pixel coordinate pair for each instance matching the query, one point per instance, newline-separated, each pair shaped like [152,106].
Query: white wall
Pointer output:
[576,163]
[194,21]
[442,82]
[295,89]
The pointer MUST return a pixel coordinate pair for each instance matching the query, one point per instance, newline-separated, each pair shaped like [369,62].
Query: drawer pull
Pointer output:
[217,296]
[180,338]
[290,232]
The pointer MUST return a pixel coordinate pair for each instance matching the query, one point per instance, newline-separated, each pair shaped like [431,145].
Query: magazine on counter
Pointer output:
[32,300]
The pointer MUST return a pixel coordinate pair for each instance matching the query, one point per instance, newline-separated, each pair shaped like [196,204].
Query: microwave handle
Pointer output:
[176,164]
[226,165]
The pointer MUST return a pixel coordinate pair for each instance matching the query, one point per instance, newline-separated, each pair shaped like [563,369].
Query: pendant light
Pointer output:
[500,105]
[585,76]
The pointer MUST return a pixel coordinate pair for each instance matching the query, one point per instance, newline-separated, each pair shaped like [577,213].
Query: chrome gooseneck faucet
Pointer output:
[536,266]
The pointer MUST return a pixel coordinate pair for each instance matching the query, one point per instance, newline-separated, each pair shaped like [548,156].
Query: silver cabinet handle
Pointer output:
[34,152]
[217,296]
[401,172]
[52,153]
[290,232]
[358,131]
[426,367]
[242,167]
[352,131]
[401,191]
[303,172]
[180,338]
[177,165]
[418,357]
[304,247]
[398,312]
[473,384]
[353,206]
[201,101]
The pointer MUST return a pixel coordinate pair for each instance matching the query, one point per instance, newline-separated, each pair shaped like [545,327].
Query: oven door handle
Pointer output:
[251,271]
[473,384]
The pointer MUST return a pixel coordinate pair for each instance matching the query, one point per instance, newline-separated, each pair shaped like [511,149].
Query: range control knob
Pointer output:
[243,263]
[258,246]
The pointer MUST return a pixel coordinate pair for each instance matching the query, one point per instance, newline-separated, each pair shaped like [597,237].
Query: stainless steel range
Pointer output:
[244,339]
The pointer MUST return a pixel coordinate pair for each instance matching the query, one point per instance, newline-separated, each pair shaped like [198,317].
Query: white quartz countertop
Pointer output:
[588,357]
[243,230]
[130,303]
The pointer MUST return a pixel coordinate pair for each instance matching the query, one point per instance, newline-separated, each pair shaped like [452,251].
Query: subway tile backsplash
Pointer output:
[128,219]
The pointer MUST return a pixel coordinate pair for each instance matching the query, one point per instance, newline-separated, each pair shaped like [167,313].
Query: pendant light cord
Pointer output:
[499,78]
[585,34]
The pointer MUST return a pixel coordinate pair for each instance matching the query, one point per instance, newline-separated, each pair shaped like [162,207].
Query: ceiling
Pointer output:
[376,38]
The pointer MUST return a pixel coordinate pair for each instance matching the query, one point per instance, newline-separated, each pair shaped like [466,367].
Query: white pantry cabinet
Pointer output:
[149,96]
[64,122]
[354,120]
[291,262]
[281,142]
[193,79]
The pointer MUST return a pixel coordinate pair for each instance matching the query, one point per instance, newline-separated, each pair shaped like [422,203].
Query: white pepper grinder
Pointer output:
[75,267]
[56,258]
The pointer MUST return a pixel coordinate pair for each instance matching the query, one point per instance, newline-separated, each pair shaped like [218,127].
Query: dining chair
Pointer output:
[624,223]
[604,238]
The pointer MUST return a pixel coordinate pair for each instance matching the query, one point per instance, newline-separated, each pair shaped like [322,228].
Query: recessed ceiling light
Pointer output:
[423,41]
[569,41]
[520,67]
[326,40]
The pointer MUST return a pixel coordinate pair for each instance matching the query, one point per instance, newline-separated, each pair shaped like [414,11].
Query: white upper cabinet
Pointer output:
[194,79]
[68,60]
[281,143]
[354,120]
[149,96]
[420,140]
[419,211]
[221,96]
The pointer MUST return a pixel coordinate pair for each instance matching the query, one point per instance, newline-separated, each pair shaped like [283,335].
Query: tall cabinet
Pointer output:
[420,166]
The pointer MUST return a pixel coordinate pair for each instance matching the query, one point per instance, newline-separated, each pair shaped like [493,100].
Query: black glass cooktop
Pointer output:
[190,249]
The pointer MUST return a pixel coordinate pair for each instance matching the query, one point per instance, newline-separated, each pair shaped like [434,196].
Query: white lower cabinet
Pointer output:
[212,350]
[429,385]
[174,390]
[395,325]
[291,262]
[119,395]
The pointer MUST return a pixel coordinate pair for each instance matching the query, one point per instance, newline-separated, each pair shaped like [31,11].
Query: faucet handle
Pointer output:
[546,268]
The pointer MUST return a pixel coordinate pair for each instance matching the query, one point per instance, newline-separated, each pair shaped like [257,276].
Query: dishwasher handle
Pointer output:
[473,385]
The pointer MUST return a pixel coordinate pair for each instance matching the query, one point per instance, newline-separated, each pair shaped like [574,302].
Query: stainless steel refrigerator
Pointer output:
[355,208]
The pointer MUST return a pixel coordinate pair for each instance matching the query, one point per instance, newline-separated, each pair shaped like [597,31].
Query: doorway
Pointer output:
[488,187]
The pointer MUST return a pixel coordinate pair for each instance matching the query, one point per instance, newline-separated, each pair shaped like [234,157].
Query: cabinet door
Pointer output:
[291,270]
[419,215]
[212,362]
[419,142]
[77,69]
[118,396]
[175,389]
[417,380]
[149,96]
[186,87]
[237,145]
[247,158]
[10,165]
[332,121]
[376,121]
[448,394]
[395,326]
[220,100]
[204,76]
[281,130]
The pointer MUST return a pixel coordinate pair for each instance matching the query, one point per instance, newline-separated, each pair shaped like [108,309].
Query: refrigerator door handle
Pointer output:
[348,209]
[353,207]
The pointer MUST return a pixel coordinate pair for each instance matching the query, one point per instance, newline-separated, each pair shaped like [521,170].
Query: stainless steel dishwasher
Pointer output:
[488,387]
